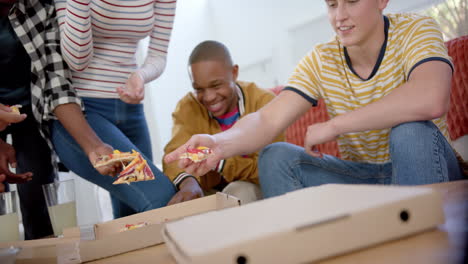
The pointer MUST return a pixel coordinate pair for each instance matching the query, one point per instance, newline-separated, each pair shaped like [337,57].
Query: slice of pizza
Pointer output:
[117,156]
[133,226]
[196,154]
[16,109]
[137,170]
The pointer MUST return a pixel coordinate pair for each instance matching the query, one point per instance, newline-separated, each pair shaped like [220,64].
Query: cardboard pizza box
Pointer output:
[107,239]
[305,225]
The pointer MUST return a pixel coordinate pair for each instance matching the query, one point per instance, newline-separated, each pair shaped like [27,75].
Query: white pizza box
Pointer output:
[107,239]
[305,225]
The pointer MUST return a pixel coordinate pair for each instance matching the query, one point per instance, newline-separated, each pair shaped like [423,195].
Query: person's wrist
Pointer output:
[140,74]
[220,147]
[189,181]
[334,126]
[96,146]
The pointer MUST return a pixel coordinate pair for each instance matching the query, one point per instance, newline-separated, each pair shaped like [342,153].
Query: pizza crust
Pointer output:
[116,157]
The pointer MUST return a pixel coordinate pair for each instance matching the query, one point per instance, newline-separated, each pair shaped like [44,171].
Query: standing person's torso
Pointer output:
[117,27]
[15,67]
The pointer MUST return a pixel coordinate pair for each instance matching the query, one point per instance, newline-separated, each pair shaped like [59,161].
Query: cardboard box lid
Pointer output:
[294,210]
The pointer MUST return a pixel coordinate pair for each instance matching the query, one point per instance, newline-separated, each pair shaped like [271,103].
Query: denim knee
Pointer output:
[276,157]
[420,154]
[417,133]
[272,151]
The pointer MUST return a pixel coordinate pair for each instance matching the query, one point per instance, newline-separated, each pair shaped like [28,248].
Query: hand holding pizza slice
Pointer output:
[10,115]
[212,156]
[116,157]
[135,167]
[196,154]
[16,109]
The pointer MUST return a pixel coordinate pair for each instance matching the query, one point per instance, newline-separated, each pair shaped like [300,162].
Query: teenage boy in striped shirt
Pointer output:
[386,82]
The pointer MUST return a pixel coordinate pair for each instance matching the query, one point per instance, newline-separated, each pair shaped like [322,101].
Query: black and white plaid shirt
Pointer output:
[35,24]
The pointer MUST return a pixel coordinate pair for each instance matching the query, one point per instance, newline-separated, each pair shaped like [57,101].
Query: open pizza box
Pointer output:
[107,239]
[305,225]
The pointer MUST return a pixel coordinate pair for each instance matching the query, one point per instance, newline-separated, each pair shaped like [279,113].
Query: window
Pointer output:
[452,16]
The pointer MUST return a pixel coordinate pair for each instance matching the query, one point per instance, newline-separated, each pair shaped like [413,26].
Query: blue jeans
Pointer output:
[34,155]
[123,126]
[420,154]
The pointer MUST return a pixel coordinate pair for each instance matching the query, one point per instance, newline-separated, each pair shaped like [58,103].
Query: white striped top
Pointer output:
[99,39]
[324,73]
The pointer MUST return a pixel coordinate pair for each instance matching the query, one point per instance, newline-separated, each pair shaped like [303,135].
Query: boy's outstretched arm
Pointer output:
[248,135]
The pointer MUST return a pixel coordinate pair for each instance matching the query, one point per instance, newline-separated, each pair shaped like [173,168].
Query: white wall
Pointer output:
[251,29]
[266,38]
[192,25]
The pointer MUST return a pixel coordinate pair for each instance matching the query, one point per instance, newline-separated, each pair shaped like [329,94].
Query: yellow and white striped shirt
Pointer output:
[411,39]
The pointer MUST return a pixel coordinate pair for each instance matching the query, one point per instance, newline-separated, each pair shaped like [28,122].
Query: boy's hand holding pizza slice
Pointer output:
[196,154]
[208,155]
